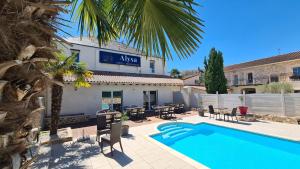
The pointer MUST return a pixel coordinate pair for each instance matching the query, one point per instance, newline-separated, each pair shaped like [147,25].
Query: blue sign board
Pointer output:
[119,59]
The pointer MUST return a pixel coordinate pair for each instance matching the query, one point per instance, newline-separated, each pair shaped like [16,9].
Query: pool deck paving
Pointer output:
[142,152]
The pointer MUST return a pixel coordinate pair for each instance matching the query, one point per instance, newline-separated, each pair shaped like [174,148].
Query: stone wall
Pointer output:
[70,119]
[262,73]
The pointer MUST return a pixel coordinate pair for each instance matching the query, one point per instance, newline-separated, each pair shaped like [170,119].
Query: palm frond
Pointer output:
[93,18]
[157,26]
[154,27]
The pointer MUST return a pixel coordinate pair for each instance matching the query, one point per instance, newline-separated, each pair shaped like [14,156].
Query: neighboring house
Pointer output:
[122,77]
[250,76]
[194,82]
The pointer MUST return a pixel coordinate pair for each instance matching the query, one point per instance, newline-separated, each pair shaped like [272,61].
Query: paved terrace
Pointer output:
[143,152]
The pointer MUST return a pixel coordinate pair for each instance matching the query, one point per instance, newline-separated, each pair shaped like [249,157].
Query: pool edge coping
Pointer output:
[177,154]
[192,161]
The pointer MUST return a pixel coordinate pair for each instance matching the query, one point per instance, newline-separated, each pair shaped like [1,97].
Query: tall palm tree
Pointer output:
[64,66]
[29,36]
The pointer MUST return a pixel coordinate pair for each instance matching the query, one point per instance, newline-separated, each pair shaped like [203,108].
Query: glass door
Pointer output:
[153,98]
[117,100]
[150,99]
[146,100]
[106,100]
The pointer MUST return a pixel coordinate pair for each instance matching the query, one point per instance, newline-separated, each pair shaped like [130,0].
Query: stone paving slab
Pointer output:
[142,152]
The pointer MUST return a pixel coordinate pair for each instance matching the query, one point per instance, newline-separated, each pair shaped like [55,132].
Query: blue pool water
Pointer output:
[224,148]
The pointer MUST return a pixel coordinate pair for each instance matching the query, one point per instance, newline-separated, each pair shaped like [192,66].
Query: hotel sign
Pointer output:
[119,59]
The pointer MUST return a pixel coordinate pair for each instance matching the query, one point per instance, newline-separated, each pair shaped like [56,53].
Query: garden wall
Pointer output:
[272,104]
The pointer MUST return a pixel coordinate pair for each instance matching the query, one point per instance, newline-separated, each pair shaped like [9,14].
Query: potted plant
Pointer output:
[200,110]
[243,109]
[125,126]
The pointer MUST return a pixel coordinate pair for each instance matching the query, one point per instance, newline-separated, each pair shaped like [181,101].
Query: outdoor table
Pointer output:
[222,110]
[129,109]
[111,113]
[160,109]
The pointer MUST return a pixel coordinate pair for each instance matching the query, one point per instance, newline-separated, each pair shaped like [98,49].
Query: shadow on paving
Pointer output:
[74,155]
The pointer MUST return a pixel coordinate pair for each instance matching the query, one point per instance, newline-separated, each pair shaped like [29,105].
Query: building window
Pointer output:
[112,100]
[296,71]
[152,66]
[76,53]
[236,80]
[274,78]
[250,78]
[197,82]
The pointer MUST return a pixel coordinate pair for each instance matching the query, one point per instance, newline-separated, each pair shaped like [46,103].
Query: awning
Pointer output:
[106,79]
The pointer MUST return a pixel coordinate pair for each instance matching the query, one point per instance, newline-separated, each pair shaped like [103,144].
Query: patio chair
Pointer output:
[181,108]
[164,112]
[176,109]
[232,114]
[117,117]
[211,111]
[113,138]
[172,111]
[156,111]
[133,113]
[102,127]
[141,113]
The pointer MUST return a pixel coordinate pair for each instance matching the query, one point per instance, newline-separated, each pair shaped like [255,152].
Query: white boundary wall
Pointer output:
[275,104]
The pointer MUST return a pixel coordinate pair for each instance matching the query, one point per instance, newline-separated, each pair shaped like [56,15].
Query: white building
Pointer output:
[122,77]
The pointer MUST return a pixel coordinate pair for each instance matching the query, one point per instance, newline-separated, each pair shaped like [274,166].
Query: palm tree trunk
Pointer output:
[25,44]
[56,99]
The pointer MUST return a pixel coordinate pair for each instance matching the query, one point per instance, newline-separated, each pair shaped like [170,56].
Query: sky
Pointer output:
[243,30]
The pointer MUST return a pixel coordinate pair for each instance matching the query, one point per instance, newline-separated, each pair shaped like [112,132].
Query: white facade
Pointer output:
[134,82]
[89,52]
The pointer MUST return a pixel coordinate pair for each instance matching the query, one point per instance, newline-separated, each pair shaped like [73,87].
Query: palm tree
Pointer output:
[64,66]
[30,34]
[175,73]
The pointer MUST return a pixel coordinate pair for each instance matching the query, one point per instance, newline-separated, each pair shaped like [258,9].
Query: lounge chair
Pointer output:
[232,114]
[212,112]
[113,138]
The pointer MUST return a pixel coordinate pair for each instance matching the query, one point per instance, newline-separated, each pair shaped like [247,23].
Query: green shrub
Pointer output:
[276,87]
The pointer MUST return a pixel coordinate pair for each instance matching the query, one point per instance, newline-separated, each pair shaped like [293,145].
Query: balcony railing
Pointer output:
[295,78]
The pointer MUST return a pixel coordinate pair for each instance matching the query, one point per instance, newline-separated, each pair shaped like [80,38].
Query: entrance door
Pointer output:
[112,100]
[150,99]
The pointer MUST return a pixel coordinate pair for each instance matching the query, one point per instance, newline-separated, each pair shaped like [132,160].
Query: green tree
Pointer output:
[64,66]
[33,27]
[214,74]
[175,73]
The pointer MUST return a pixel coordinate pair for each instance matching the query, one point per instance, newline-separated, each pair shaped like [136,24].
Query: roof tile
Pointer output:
[269,60]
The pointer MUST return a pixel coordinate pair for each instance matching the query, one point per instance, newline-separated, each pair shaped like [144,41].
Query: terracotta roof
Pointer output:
[269,60]
[109,73]
[129,78]
[190,76]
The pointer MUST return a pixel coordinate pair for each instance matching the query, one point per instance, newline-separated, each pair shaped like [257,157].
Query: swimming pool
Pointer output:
[224,148]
